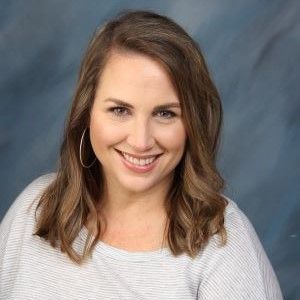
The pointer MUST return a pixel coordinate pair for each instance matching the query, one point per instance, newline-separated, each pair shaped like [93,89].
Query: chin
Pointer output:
[137,187]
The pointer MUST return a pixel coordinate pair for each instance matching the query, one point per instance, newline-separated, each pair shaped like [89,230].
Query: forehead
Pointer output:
[135,65]
[135,76]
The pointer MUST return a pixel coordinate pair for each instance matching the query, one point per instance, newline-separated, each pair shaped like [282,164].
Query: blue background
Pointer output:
[252,49]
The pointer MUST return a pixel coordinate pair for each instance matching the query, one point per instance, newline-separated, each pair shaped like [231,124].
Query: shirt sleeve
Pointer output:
[241,269]
[13,231]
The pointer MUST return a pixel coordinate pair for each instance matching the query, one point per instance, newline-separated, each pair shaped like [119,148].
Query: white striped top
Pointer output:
[31,269]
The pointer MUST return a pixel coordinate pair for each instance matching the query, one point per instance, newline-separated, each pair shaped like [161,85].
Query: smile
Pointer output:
[139,164]
[138,161]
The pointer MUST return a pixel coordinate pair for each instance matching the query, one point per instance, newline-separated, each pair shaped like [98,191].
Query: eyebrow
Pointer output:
[123,103]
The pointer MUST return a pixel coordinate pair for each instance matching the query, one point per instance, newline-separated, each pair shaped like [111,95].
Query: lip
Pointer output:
[138,169]
[138,156]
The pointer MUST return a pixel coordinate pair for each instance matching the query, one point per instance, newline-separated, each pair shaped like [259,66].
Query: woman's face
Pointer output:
[136,129]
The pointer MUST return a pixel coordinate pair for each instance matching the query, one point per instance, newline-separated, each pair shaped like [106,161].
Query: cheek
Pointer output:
[103,134]
[173,138]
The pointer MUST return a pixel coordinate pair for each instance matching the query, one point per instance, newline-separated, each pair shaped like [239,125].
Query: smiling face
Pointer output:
[136,129]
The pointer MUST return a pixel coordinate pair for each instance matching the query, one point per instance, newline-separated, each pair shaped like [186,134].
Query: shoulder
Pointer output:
[22,207]
[31,192]
[36,187]
[241,235]
[237,223]
[241,268]
[16,229]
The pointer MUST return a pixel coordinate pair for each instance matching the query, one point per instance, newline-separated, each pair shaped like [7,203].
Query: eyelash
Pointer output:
[114,109]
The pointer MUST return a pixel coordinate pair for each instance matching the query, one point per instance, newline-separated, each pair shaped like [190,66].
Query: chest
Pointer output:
[150,236]
[52,276]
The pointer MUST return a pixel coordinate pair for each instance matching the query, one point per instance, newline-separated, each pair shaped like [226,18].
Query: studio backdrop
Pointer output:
[253,52]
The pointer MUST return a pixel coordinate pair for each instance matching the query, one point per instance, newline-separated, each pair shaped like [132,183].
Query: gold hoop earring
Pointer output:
[80,151]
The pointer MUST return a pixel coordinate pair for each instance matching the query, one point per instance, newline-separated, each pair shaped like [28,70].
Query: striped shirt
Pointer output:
[31,269]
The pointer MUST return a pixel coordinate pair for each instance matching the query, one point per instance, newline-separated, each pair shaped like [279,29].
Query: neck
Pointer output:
[121,204]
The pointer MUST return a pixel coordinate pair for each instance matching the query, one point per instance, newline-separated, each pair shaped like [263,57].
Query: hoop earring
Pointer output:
[80,151]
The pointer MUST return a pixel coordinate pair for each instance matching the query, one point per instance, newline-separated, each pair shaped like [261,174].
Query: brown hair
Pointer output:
[195,207]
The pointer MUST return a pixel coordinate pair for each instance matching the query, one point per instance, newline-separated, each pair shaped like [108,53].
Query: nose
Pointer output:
[140,138]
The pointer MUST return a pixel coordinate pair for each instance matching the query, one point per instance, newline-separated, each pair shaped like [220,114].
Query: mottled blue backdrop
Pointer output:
[253,51]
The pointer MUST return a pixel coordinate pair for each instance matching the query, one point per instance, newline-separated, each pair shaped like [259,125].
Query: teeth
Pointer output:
[138,162]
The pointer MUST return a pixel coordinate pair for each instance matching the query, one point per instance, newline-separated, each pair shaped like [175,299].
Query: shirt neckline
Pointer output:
[122,254]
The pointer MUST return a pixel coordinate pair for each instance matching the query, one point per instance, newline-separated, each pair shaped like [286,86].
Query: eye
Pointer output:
[119,111]
[166,114]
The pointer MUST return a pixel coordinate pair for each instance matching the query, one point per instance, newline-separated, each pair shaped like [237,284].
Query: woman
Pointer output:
[135,210]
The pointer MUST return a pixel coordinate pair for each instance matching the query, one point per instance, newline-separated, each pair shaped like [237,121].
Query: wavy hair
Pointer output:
[194,205]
